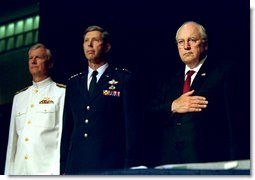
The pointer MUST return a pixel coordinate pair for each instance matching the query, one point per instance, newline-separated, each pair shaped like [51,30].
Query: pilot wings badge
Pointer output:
[112,83]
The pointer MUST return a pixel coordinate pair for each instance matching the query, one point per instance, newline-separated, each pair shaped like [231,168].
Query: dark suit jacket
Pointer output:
[99,133]
[218,133]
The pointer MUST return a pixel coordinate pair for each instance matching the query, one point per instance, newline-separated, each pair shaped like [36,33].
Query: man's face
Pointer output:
[38,63]
[93,46]
[190,46]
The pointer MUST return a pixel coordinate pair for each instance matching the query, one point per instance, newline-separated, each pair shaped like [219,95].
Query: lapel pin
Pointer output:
[203,74]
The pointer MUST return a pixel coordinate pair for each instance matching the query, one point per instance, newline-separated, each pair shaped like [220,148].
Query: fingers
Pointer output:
[199,102]
[194,109]
[196,105]
[197,98]
[189,93]
[188,103]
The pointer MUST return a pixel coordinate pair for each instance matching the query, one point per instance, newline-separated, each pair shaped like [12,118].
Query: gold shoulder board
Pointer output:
[22,90]
[61,85]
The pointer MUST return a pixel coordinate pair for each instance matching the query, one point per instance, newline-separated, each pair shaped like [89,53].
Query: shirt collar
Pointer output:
[42,83]
[196,68]
[100,70]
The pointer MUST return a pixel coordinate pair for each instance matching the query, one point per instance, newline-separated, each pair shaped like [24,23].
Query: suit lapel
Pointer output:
[200,77]
[82,83]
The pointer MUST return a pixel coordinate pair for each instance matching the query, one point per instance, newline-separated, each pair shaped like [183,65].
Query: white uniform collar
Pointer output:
[100,70]
[42,83]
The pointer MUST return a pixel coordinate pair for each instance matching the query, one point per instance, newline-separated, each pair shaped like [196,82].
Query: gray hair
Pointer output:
[105,34]
[201,28]
[40,45]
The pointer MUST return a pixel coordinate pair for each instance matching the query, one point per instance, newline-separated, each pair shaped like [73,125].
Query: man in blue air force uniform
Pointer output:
[100,122]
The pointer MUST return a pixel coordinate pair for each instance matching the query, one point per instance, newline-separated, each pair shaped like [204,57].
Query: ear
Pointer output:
[107,48]
[50,65]
[206,46]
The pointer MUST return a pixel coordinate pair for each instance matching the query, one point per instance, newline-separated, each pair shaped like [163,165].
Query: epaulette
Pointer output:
[61,85]
[73,76]
[22,90]
[122,70]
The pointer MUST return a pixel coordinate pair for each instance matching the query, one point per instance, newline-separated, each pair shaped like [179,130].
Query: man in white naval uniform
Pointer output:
[36,121]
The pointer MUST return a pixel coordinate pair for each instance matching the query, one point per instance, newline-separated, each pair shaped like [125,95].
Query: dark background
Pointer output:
[144,40]
[143,34]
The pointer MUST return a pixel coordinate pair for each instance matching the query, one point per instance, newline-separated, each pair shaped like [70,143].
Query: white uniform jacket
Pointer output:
[35,130]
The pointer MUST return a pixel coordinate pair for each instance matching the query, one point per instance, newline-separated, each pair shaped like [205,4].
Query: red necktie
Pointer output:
[186,85]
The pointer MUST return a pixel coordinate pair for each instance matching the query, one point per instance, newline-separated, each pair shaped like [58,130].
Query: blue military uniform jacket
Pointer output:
[99,133]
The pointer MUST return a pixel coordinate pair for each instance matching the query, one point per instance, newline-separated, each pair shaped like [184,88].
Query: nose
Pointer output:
[90,44]
[186,45]
[33,60]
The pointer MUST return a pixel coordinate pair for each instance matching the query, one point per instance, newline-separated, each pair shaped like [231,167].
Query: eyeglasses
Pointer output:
[190,41]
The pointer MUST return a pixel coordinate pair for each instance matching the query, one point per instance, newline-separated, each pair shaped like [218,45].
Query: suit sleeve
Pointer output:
[12,143]
[160,104]
[238,111]
[133,123]
[66,132]
[56,168]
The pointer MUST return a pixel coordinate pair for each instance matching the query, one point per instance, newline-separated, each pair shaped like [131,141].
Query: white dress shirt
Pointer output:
[196,69]
[35,130]
[100,71]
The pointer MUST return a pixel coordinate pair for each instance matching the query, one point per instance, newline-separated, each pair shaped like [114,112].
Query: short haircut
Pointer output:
[105,34]
[201,28]
[40,45]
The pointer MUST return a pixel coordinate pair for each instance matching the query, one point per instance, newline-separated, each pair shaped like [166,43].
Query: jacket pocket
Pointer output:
[45,116]
[20,119]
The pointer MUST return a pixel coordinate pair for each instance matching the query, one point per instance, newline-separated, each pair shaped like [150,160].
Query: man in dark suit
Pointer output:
[100,120]
[206,122]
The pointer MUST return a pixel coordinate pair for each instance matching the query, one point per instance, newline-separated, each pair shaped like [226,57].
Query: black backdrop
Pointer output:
[144,39]
[143,31]
[143,36]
